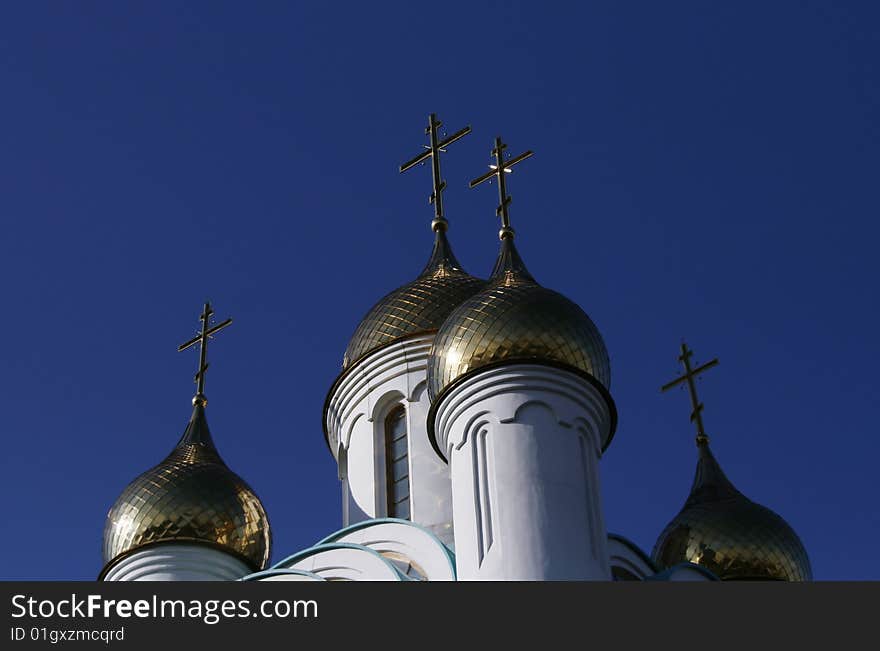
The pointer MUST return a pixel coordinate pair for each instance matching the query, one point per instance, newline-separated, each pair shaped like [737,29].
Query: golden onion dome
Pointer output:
[515,319]
[419,306]
[191,496]
[730,535]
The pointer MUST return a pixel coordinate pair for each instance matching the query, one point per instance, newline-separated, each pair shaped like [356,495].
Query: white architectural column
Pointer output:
[523,443]
[355,424]
[178,562]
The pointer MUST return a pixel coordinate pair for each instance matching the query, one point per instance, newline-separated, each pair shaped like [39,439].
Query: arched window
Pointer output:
[397,463]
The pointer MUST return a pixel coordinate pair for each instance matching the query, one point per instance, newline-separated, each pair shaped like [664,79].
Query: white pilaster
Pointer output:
[355,422]
[523,443]
[178,562]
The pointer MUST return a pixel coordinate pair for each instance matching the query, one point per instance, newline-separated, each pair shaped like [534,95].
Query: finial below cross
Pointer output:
[689,375]
[202,339]
[499,169]
[434,149]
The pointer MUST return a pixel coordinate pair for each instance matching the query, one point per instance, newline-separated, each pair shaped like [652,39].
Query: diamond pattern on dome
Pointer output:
[515,318]
[419,306]
[724,531]
[190,496]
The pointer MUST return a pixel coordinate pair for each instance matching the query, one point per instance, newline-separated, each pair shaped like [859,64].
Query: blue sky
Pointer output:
[701,170]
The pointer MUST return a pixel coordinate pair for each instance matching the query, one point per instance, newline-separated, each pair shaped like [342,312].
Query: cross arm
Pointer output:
[495,171]
[202,371]
[198,337]
[690,374]
[674,383]
[705,366]
[458,135]
[488,175]
[415,161]
[513,161]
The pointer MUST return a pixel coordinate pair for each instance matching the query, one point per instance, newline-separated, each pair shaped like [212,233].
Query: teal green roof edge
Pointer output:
[320,547]
[256,576]
[363,524]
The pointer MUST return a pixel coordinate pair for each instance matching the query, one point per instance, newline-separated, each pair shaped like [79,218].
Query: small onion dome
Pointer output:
[191,496]
[728,534]
[514,319]
[419,306]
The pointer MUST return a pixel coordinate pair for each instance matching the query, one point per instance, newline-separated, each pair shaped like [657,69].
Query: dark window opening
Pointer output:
[397,464]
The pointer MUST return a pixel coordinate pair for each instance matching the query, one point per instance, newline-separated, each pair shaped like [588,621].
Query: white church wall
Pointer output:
[360,470]
[394,375]
[524,442]
[178,562]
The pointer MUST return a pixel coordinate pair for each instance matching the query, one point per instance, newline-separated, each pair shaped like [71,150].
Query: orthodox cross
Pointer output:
[433,153]
[499,169]
[202,339]
[689,375]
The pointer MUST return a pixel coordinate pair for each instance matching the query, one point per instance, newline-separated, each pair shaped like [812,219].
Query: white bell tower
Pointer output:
[518,376]
[375,415]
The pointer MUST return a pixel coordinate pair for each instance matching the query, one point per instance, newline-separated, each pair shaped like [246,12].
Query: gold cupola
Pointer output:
[422,305]
[720,528]
[514,319]
[729,534]
[417,307]
[191,496]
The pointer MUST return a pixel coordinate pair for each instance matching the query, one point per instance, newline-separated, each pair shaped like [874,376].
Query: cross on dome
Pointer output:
[689,375]
[499,169]
[433,152]
[202,339]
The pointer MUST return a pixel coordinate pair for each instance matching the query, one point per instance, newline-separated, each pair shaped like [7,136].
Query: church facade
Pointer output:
[468,423]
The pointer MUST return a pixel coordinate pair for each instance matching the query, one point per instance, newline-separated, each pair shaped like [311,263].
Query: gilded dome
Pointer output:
[419,306]
[191,496]
[727,533]
[515,319]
